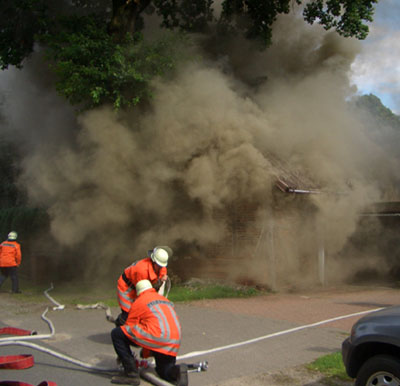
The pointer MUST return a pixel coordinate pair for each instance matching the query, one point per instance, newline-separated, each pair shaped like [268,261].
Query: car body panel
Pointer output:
[375,333]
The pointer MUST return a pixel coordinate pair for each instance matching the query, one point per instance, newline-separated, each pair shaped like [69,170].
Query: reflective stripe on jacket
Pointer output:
[139,270]
[10,254]
[152,323]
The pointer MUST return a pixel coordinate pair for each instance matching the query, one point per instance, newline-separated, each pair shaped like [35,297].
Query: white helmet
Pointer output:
[12,235]
[159,256]
[142,285]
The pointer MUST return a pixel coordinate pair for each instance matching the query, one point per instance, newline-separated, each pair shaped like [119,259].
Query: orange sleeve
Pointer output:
[163,271]
[18,256]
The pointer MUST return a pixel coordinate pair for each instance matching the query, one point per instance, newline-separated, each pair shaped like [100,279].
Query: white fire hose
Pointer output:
[146,373]
[34,335]
[58,305]
[57,355]
[20,341]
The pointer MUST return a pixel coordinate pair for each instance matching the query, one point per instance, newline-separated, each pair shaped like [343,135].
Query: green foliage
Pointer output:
[14,215]
[346,16]
[101,59]
[256,17]
[21,21]
[188,15]
[383,128]
[92,69]
[330,365]
[26,221]
[381,113]
[9,194]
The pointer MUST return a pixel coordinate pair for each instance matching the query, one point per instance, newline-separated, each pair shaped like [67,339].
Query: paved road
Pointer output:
[208,326]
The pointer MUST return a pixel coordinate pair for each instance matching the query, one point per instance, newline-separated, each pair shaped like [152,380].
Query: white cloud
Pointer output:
[377,69]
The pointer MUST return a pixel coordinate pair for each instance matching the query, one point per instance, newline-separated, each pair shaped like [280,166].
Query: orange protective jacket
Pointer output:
[10,254]
[152,323]
[139,270]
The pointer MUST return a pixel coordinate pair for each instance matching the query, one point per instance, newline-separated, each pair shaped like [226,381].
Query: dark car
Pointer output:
[371,353]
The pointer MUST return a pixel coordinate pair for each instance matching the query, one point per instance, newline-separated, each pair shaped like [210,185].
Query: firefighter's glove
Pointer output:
[120,321]
[145,353]
[157,285]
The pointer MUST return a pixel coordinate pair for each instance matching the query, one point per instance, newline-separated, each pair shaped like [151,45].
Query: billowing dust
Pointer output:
[198,162]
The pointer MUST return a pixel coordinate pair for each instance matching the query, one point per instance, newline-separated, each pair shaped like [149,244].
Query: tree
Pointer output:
[347,17]
[254,17]
[21,21]
[92,68]
[10,195]
[381,113]
[91,43]
[383,126]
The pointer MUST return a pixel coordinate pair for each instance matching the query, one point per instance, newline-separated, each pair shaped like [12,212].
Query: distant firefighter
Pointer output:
[10,260]
[152,268]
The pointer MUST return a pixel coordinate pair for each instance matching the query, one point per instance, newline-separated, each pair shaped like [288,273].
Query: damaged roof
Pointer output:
[291,180]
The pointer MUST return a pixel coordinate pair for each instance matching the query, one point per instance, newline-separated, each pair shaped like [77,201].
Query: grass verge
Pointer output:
[332,367]
[86,293]
[201,292]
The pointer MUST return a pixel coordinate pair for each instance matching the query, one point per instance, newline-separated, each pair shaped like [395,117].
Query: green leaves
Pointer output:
[256,17]
[93,69]
[346,16]
[20,21]
[187,15]
[98,58]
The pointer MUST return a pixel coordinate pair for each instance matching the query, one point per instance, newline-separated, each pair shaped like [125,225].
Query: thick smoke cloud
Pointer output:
[33,113]
[128,183]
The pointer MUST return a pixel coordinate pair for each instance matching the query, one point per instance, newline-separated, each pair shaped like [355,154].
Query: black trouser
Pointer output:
[166,367]
[12,272]
[165,364]
[122,347]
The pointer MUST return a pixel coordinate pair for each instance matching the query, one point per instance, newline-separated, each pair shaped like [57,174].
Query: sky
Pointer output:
[377,69]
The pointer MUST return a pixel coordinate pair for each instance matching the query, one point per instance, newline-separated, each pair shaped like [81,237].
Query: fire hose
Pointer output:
[29,335]
[27,360]
[163,290]
[16,383]
[146,368]
[58,305]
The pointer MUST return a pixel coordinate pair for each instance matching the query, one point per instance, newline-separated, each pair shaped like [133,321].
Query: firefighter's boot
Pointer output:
[182,378]
[130,376]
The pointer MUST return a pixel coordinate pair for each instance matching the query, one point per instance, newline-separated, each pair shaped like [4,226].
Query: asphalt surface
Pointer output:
[238,337]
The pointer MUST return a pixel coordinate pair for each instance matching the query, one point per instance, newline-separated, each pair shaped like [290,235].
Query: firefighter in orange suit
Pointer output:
[10,259]
[152,268]
[153,325]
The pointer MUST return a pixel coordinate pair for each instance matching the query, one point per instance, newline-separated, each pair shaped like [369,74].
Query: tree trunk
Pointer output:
[125,17]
